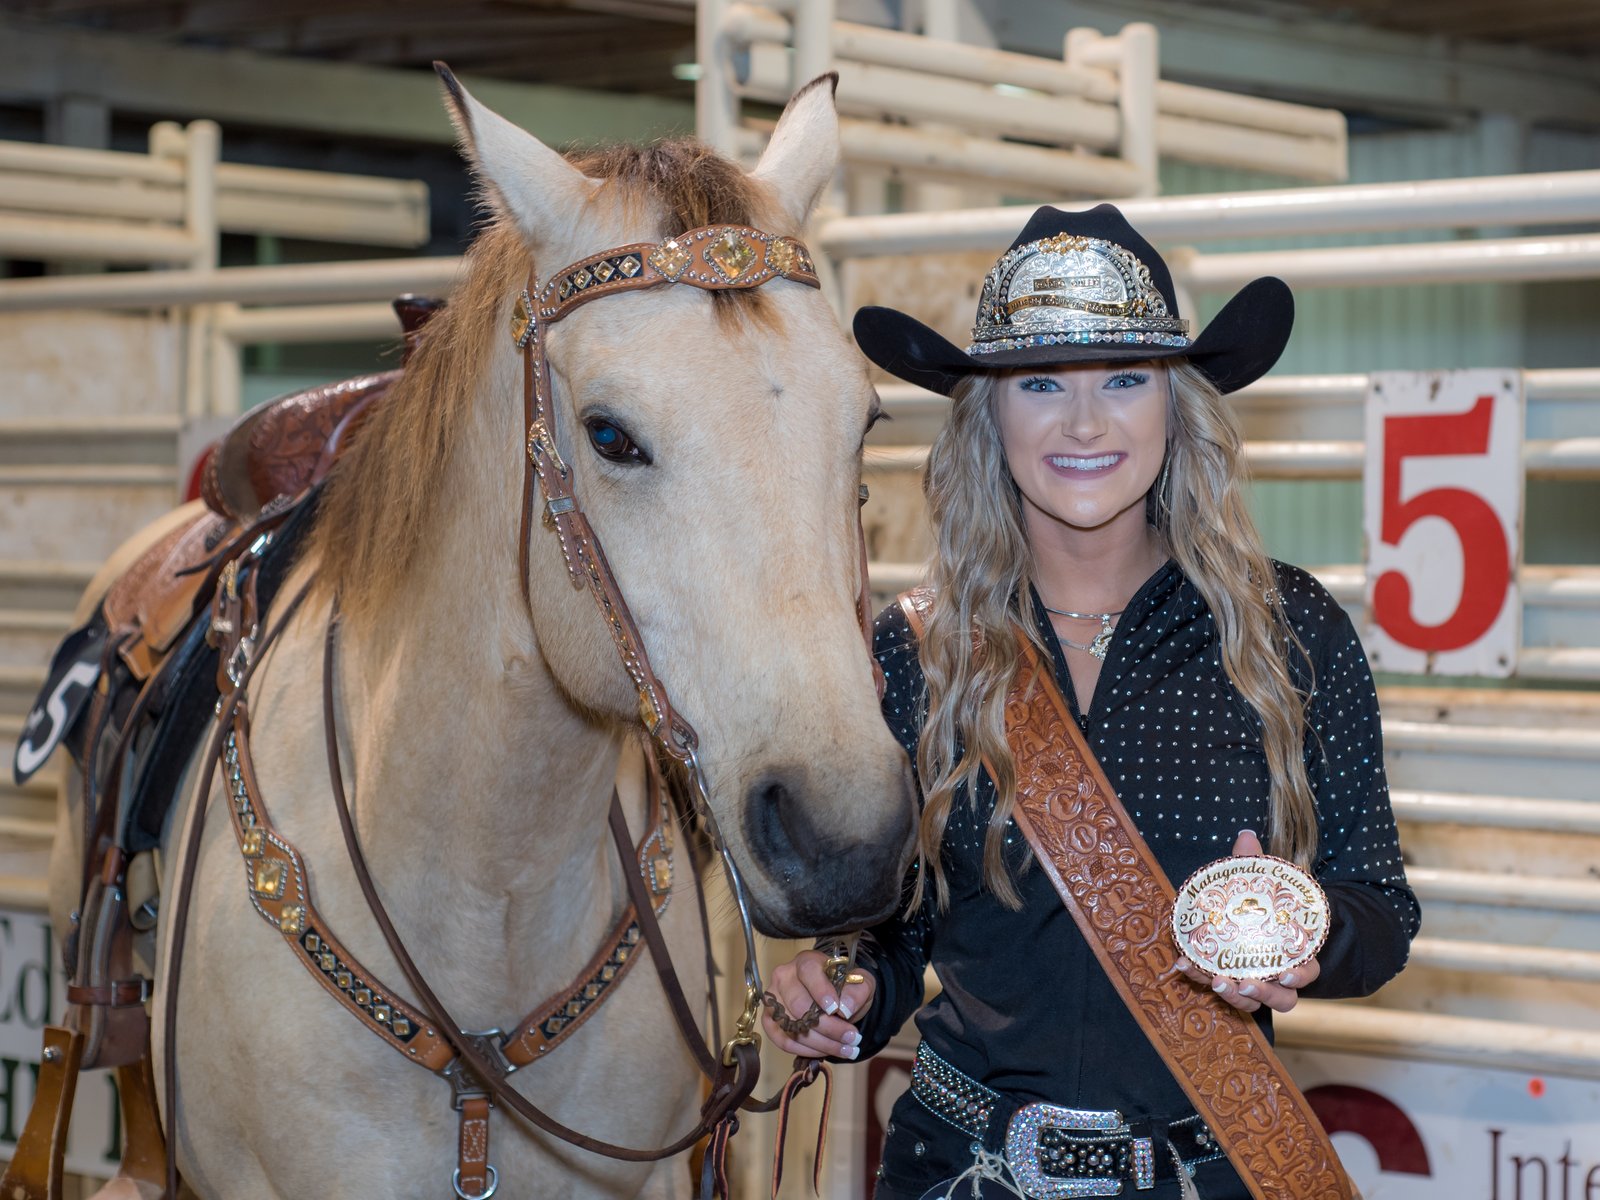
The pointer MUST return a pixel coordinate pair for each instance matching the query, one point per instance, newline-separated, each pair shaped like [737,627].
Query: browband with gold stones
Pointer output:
[713,257]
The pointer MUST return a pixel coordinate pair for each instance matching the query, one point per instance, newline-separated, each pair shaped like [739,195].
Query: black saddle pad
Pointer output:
[186,704]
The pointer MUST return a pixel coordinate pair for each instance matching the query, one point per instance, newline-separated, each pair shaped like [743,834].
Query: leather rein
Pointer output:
[711,258]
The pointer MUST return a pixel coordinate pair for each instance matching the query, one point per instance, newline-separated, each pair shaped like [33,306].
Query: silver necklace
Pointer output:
[1101,641]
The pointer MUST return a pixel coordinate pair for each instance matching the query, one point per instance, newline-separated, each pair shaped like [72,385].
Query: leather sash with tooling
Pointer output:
[1121,901]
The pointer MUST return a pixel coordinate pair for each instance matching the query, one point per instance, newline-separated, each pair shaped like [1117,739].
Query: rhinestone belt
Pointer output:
[1057,1152]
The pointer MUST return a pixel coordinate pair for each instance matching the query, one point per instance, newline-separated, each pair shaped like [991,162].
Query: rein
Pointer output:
[476,1064]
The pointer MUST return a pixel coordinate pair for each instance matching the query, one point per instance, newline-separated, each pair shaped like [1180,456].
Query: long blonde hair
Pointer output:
[982,572]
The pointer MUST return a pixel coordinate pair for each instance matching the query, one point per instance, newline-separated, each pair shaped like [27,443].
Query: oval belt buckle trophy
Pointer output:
[1252,917]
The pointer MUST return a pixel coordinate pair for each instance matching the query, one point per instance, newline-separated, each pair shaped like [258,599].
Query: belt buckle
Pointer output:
[1022,1150]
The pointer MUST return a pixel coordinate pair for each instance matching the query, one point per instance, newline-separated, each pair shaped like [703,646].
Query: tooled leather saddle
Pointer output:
[129,694]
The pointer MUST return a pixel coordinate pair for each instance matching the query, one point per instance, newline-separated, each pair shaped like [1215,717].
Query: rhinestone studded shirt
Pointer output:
[1023,1006]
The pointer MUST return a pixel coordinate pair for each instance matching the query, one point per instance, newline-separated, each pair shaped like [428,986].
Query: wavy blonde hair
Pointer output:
[983,567]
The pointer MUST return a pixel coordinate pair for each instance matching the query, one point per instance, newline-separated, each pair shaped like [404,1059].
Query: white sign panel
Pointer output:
[1443,521]
[32,995]
[1437,1131]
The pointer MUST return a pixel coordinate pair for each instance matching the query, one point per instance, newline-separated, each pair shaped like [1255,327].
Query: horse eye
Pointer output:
[612,443]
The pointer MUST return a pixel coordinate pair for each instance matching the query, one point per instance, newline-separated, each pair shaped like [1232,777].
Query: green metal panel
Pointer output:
[1418,327]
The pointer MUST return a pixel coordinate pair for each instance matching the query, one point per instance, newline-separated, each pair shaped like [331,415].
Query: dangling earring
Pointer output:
[1163,504]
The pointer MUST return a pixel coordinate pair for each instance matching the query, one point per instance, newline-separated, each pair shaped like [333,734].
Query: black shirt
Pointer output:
[1024,1006]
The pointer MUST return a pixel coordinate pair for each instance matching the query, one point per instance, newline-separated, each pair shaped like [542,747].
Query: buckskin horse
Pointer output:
[426,727]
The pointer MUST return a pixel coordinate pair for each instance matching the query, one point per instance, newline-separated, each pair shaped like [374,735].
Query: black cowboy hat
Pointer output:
[1123,310]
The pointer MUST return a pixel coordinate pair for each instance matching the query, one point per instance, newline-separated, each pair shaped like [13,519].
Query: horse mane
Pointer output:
[380,503]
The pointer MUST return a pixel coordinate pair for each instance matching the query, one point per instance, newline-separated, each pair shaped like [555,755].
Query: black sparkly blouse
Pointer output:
[1024,1006]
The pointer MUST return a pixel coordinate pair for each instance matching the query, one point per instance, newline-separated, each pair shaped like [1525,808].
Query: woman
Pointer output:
[1086,496]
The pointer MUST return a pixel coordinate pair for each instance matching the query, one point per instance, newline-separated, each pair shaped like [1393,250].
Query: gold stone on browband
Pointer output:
[1071,290]
[713,257]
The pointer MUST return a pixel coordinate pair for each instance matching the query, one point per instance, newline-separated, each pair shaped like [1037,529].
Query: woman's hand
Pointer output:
[802,982]
[1280,994]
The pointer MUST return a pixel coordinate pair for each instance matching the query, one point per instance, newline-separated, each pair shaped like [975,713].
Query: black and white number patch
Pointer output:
[73,673]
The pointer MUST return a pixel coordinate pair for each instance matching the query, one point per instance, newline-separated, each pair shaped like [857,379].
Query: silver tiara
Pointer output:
[1066,289]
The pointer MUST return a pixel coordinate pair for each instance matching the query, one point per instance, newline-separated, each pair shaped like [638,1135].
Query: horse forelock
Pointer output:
[381,499]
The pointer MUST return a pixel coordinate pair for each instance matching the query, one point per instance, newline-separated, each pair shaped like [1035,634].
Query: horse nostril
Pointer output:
[833,877]
[779,829]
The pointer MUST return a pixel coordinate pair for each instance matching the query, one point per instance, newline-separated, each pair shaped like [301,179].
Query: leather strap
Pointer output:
[1121,901]
[712,258]
[189,864]
[123,993]
[280,890]
[731,1084]
[804,1075]
[474,1176]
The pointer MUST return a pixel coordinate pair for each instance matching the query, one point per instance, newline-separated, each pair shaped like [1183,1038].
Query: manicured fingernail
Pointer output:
[1250,832]
[1248,989]
[852,1037]
[829,1004]
[1182,964]
[1220,987]
[844,1010]
[852,1052]
[1287,979]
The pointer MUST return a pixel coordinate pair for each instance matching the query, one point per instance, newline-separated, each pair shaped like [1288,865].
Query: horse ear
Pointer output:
[800,160]
[527,180]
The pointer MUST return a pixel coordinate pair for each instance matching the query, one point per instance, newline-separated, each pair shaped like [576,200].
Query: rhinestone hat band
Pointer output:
[1070,290]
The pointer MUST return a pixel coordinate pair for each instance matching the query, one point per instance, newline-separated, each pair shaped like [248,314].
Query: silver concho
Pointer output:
[1250,918]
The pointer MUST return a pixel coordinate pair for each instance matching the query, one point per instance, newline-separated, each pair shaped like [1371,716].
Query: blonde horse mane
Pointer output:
[380,500]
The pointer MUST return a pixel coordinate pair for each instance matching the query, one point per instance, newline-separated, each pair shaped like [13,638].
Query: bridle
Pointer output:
[711,258]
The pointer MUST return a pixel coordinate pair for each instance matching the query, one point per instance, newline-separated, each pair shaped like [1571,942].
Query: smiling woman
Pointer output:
[1085,443]
[1087,503]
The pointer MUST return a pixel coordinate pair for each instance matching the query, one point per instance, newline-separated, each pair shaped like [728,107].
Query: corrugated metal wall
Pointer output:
[1401,328]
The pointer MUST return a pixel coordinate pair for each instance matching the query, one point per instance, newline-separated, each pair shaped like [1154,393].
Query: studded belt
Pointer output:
[1057,1152]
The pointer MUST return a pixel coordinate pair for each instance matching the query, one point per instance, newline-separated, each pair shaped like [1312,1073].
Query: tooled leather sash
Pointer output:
[1121,901]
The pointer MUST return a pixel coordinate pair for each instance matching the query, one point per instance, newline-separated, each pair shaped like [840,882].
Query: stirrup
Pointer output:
[36,1167]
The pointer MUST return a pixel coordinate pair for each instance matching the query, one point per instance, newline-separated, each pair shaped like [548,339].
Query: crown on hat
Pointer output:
[1067,289]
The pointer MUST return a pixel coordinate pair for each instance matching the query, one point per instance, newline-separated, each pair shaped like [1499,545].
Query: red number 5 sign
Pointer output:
[1443,488]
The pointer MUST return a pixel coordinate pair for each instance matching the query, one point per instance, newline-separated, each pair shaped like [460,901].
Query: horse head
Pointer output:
[714,442]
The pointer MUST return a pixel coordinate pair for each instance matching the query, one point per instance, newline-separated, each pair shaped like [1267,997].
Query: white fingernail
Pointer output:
[852,1052]
[1287,980]
[844,1009]
[1220,987]
[852,1038]
[829,1004]
[1248,989]
[1182,964]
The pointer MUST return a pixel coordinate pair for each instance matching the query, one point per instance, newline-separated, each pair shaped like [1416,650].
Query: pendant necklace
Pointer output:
[1101,641]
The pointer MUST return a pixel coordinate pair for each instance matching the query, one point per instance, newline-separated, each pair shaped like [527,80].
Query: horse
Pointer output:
[483,716]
